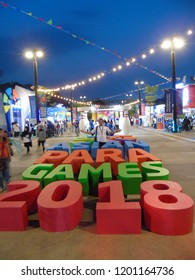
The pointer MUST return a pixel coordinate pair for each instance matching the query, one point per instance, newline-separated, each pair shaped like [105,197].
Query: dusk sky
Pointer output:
[81,39]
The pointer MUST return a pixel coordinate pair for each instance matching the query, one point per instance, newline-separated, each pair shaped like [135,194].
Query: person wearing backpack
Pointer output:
[101,132]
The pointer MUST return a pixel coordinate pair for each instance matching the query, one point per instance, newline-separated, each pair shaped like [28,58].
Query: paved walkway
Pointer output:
[177,152]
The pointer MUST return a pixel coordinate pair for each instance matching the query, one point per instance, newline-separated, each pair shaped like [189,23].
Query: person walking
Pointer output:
[41,134]
[132,121]
[186,124]
[69,128]
[15,129]
[61,127]
[91,123]
[117,123]
[5,158]
[32,129]
[76,125]
[57,126]
[26,137]
[137,122]
[101,131]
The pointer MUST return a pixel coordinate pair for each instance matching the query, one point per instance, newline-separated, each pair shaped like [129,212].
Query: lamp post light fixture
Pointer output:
[82,97]
[173,44]
[129,97]
[130,94]
[138,83]
[34,54]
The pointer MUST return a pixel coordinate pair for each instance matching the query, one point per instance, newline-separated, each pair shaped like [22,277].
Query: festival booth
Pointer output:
[18,105]
[188,92]
[57,114]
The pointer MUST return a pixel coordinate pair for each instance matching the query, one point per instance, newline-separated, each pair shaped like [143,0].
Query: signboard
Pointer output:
[42,105]
[168,116]
[43,112]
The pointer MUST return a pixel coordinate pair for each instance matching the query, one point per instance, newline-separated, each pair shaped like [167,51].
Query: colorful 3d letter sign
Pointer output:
[49,187]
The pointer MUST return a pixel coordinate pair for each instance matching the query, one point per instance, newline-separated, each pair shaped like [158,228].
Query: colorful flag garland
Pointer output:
[59,27]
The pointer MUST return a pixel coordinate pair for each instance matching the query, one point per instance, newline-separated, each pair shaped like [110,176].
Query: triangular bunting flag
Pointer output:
[7,108]
[50,22]
[5,5]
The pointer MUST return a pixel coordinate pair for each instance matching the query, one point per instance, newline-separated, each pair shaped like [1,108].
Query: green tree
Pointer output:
[150,97]
[133,111]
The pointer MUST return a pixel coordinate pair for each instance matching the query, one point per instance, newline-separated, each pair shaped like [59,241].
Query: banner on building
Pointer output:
[179,102]
[32,106]
[168,101]
[42,105]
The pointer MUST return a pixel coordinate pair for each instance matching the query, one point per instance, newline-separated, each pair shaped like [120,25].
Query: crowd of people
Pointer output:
[185,124]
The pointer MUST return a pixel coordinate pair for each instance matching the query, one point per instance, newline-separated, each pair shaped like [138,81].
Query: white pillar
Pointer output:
[126,123]
[86,121]
[82,124]
[121,120]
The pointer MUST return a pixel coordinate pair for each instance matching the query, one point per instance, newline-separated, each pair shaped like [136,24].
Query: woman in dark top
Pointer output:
[26,137]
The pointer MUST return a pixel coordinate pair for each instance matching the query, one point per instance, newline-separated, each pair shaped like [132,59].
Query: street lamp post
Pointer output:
[36,87]
[71,105]
[173,43]
[138,83]
[174,88]
[33,55]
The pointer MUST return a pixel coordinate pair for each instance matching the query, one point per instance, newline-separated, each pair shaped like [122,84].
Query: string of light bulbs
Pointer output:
[128,62]
[105,98]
